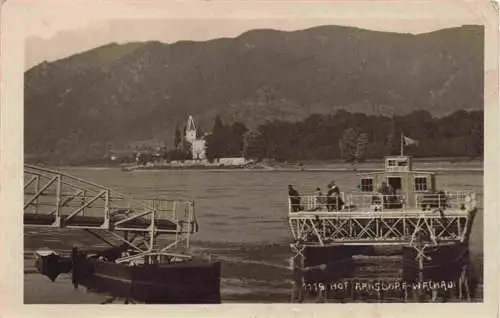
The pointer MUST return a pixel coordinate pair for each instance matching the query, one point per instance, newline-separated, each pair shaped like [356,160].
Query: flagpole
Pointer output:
[402,146]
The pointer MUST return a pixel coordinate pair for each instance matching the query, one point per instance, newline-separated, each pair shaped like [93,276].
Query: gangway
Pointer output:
[53,199]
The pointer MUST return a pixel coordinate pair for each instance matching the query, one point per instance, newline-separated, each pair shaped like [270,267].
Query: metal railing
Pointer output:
[57,200]
[315,203]
[62,200]
[374,202]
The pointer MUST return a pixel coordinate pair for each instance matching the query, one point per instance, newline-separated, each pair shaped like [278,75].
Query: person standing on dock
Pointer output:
[319,200]
[384,191]
[334,201]
[294,198]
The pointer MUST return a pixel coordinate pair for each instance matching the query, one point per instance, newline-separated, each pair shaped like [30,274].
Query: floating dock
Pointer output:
[406,211]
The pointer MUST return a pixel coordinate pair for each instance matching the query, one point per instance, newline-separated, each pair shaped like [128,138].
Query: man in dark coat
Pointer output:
[334,201]
[294,198]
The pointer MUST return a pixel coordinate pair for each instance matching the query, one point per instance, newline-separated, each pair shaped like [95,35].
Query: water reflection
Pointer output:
[351,280]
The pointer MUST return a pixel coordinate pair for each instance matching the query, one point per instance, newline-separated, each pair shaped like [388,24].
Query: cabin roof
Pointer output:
[415,172]
[398,156]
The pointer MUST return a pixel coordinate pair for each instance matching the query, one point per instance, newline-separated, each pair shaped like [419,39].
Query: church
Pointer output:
[198,145]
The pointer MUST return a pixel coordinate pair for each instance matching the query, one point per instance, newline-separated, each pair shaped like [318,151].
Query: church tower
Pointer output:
[190,130]
[198,146]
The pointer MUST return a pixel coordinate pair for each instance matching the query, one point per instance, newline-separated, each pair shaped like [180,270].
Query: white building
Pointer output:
[198,146]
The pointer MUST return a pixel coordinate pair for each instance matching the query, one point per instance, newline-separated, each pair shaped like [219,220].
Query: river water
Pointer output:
[242,218]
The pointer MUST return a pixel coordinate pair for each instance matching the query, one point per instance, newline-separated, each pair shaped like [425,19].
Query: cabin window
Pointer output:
[420,184]
[402,163]
[392,163]
[367,185]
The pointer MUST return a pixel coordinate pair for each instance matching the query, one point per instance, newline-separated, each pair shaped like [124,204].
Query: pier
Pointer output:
[151,261]
[53,199]
[431,227]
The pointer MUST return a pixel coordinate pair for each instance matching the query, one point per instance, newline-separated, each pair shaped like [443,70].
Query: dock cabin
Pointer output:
[396,188]
[399,185]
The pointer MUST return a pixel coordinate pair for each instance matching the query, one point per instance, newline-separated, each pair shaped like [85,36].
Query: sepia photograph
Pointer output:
[298,153]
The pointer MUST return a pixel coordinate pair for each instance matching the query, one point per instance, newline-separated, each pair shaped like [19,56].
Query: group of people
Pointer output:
[386,189]
[389,195]
[332,201]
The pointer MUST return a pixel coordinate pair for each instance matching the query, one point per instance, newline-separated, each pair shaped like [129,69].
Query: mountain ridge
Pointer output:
[115,94]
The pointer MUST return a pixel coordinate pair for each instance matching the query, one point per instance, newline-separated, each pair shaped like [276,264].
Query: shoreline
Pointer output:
[282,169]
[420,164]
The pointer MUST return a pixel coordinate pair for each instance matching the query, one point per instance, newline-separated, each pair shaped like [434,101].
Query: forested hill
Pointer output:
[359,137]
[114,95]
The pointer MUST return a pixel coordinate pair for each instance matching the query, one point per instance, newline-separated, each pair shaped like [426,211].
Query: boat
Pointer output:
[180,281]
[148,259]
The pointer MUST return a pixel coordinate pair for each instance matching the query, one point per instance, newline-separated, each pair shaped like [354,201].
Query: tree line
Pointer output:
[343,135]
[226,140]
[351,137]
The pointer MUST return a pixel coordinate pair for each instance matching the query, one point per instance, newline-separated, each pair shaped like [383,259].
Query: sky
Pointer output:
[59,28]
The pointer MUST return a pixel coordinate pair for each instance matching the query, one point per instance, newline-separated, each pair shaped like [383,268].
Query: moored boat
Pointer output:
[149,259]
[184,280]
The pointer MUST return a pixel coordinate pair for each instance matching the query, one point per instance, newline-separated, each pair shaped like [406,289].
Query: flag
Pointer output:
[409,141]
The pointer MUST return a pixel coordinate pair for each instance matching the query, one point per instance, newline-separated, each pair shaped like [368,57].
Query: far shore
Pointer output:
[429,164]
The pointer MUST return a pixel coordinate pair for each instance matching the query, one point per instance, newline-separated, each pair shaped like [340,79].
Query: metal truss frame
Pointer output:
[65,201]
[333,228]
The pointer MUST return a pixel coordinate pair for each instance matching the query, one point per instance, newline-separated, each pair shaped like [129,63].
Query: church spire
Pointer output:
[190,124]
[190,130]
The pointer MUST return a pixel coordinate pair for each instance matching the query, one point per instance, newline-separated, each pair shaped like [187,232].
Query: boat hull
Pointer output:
[189,283]
[51,265]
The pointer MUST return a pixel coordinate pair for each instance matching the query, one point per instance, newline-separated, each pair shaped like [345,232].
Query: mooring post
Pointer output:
[420,274]
[84,198]
[295,286]
[58,199]
[420,267]
[152,230]
[297,278]
[37,187]
[107,199]
[74,266]
[405,295]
